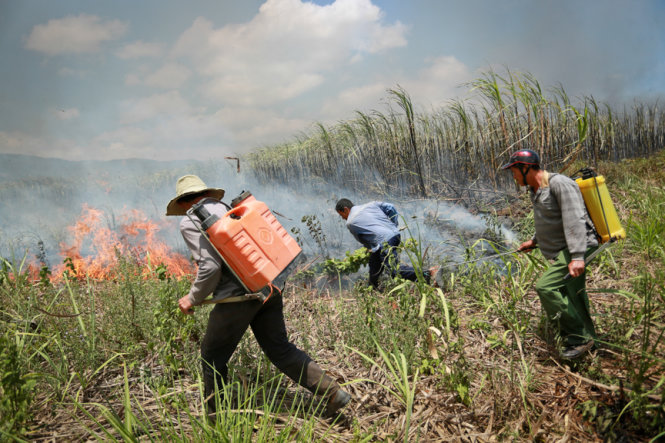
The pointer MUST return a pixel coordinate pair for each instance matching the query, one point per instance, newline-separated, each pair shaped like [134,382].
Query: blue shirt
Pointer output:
[373,223]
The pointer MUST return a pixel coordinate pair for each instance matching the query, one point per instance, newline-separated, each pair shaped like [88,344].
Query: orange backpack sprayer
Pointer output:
[250,241]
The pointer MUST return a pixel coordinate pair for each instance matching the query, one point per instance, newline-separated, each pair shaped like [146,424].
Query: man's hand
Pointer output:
[185,305]
[527,246]
[576,268]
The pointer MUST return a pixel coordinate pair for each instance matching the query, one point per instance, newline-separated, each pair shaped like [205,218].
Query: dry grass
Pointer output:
[492,375]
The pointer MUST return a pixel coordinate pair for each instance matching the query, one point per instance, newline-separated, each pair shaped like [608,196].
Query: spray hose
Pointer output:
[263,298]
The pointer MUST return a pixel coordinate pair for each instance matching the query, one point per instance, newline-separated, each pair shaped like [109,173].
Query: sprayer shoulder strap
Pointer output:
[588,221]
[228,208]
[224,263]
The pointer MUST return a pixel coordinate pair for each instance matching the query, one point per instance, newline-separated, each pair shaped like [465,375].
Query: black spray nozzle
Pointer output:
[243,195]
[586,173]
[207,219]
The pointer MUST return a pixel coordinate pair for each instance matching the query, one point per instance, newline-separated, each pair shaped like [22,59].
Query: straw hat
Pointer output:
[188,185]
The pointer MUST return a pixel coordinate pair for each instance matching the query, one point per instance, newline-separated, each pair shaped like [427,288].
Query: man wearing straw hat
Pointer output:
[229,321]
[565,235]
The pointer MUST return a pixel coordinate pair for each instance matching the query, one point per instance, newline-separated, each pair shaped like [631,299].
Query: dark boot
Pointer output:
[573,352]
[320,383]
[213,387]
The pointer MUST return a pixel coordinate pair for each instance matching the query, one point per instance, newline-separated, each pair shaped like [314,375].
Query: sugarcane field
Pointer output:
[364,266]
[94,347]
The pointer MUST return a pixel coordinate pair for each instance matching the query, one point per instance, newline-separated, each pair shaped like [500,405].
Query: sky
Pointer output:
[203,79]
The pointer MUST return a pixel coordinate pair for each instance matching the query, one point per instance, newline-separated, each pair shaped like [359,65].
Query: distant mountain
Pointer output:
[18,166]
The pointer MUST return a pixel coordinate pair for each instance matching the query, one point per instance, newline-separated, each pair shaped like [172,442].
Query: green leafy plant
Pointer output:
[16,384]
[315,230]
[350,264]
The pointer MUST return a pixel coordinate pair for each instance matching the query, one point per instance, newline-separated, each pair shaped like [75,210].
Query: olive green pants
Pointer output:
[565,301]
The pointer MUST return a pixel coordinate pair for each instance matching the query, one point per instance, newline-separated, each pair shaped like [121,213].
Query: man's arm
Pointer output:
[209,267]
[360,235]
[572,207]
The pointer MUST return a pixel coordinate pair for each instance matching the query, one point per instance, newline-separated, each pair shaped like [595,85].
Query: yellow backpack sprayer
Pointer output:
[601,210]
[599,205]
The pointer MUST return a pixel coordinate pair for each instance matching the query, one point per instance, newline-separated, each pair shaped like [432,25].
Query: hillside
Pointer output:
[17,166]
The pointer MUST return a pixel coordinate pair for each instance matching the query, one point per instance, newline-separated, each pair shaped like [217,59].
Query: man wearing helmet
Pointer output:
[565,236]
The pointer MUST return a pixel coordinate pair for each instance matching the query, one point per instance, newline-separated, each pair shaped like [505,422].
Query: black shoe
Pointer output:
[573,352]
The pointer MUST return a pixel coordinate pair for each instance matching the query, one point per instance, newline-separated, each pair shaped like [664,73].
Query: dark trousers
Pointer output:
[226,326]
[386,257]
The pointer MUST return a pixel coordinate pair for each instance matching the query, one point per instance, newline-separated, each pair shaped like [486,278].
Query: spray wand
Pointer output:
[496,255]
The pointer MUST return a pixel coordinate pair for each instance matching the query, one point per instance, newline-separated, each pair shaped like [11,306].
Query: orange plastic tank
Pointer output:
[251,241]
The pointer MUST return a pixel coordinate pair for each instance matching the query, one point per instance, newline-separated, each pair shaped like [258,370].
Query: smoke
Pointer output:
[444,231]
[37,209]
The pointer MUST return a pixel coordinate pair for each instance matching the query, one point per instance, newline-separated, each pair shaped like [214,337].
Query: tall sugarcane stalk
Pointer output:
[404,101]
[464,141]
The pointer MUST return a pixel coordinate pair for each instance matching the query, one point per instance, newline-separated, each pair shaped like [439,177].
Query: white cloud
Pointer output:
[168,123]
[438,82]
[17,142]
[169,76]
[435,84]
[74,35]
[140,49]
[158,105]
[165,126]
[287,49]
[253,127]
[132,80]
[125,141]
[69,72]
[12,142]
[348,101]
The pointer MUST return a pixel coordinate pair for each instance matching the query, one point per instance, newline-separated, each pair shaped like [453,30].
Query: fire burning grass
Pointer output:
[95,249]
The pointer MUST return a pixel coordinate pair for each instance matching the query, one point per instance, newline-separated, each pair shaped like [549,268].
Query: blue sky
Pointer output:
[164,79]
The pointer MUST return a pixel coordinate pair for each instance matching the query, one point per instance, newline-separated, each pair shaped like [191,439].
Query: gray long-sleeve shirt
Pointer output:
[561,219]
[212,277]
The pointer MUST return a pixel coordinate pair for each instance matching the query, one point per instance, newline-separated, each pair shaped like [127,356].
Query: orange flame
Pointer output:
[135,239]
